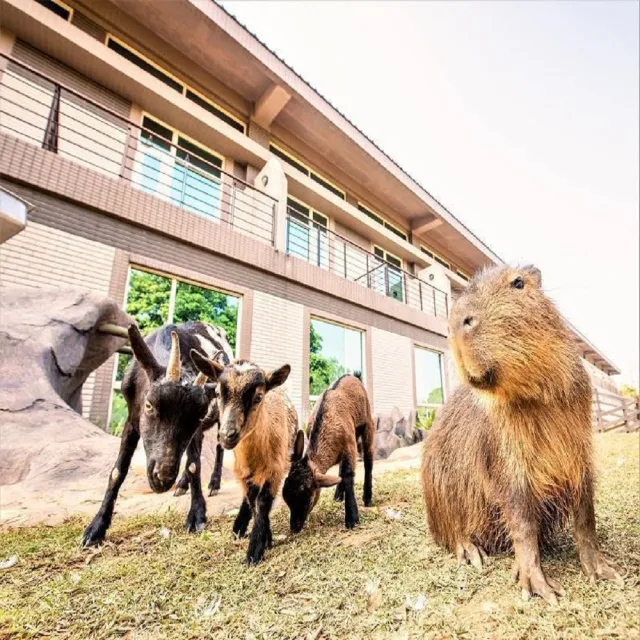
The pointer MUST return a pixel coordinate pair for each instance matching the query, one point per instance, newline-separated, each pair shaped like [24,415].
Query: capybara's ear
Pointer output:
[298,447]
[327,481]
[535,274]
[277,377]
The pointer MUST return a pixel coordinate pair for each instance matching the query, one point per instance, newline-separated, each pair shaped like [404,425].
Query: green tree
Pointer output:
[323,371]
[628,391]
[148,299]
[435,397]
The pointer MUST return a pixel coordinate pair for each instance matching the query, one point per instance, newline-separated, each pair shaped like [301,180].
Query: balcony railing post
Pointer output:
[344,246]
[50,141]
[446,305]
[406,291]
[420,291]
[435,307]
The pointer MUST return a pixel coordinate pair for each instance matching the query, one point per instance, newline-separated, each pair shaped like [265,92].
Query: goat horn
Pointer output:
[216,355]
[173,368]
[200,380]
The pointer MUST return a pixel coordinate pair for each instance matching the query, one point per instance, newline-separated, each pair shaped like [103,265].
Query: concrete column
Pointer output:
[272,181]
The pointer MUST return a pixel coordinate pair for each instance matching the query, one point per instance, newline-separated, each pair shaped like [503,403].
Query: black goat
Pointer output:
[170,406]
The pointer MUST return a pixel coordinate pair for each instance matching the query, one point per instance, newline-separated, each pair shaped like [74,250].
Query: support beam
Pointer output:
[425,223]
[269,105]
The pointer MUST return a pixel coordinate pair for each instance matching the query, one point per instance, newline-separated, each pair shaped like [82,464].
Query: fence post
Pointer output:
[599,425]
[625,416]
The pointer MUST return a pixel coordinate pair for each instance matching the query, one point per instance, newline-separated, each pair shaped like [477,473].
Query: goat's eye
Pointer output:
[257,399]
[518,283]
[148,407]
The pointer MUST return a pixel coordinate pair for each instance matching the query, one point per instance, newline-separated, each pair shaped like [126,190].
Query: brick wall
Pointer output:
[392,371]
[41,256]
[277,338]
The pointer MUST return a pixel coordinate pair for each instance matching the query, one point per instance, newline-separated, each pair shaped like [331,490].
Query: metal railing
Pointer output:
[60,120]
[318,245]
[45,113]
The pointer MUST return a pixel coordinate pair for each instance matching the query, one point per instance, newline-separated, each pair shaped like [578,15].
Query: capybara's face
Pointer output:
[505,333]
[170,415]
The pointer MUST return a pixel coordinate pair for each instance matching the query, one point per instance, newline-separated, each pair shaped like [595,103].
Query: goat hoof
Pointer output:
[213,492]
[196,521]
[351,524]
[179,491]
[94,535]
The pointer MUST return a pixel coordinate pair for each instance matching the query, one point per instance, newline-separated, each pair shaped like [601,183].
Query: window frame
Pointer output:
[441,355]
[309,171]
[176,134]
[435,256]
[185,86]
[174,281]
[344,325]
[463,275]
[62,5]
[388,253]
[390,226]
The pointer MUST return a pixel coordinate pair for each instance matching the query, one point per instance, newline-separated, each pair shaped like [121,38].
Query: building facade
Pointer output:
[178,166]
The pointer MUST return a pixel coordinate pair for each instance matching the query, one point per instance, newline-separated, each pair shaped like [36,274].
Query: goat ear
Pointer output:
[298,447]
[277,377]
[209,368]
[327,481]
[143,354]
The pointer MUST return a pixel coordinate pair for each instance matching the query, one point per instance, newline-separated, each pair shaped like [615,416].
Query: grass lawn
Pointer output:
[152,580]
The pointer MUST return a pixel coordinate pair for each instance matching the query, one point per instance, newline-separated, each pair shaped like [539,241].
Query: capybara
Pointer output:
[341,418]
[509,458]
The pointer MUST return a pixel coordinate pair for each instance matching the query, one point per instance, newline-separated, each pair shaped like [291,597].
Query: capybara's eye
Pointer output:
[518,283]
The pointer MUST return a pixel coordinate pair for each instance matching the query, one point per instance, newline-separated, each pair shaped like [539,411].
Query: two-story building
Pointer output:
[178,165]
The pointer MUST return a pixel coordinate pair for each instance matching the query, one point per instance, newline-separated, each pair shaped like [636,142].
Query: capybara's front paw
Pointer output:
[595,565]
[95,533]
[473,554]
[533,581]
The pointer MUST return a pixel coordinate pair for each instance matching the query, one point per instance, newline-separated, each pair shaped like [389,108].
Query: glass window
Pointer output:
[154,300]
[334,350]
[429,387]
[59,8]
[307,236]
[211,108]
[387,276]
[380,220]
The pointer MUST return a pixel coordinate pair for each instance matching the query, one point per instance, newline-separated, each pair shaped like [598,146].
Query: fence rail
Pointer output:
[164,163]
[612,411]
[315,243]
[58,119]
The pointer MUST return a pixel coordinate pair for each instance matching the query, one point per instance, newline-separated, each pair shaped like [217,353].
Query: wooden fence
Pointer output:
[611,411]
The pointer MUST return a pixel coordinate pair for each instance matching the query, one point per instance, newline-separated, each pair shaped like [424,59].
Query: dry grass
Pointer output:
[146,585]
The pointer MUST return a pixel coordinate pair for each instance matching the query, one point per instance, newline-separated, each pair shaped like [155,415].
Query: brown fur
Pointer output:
[509,458]
[341,415]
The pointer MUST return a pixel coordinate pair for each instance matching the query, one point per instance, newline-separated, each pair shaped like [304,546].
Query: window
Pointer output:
[300,166]
[171,81]
[463,275]
[435,257]
[307,235]
[334,350]
[170,165]
[387,276]
[154,300]
[59,8]
[428,372]
[380,220]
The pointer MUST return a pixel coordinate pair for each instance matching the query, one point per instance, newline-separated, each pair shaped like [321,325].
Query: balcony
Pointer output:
[158,160]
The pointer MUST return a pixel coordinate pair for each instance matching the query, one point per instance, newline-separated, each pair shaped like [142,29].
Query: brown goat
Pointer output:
[509,458]
[341,417]
[258,420]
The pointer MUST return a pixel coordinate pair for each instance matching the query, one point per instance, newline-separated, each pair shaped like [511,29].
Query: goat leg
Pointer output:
[367,453]
[216,475]
[261,533]
[96,531]
[351,517]
[338,496]
[182,485]
[197,517]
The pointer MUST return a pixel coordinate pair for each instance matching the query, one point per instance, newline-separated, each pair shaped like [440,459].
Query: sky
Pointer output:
[529,113]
